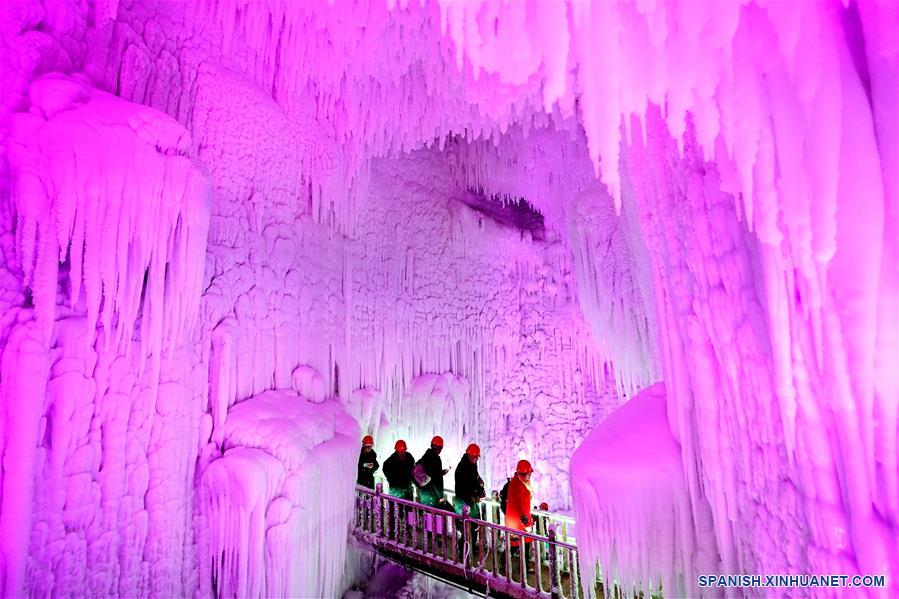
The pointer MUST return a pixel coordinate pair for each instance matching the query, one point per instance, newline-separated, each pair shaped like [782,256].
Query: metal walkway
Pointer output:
[471,553]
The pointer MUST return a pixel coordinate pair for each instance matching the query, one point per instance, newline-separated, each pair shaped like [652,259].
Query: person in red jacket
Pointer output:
[518,506]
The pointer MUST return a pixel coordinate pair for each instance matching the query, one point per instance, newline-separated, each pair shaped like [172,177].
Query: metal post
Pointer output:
[575,575]
[454,537]
[482,546]
[406,515]
[522,561]
[449,542]
[522,567]
[393,520]
[388,519]
[553,565]
[466,510]
[379,508]
[508,543]
[493,542]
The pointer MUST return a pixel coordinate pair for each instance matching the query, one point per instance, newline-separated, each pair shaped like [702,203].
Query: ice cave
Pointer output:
[634,262]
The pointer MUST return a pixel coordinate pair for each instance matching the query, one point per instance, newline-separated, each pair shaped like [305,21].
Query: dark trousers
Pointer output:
[528,555]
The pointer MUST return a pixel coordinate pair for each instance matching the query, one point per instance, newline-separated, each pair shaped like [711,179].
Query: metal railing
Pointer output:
[543,520]
[479,553]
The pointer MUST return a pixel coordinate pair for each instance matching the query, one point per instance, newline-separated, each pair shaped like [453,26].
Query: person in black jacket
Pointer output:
[368,463]
[432,493]
[469,484]
[398,470]
[469,488]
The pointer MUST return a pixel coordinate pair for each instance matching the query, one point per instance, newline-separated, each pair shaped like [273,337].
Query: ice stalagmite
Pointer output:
[634,517]
[275,504]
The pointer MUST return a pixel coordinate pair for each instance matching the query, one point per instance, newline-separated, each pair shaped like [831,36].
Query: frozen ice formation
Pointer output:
[523,213]
[272,504]
[629,488]
[111,189]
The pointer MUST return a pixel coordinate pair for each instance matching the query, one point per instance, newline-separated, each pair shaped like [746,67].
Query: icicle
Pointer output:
[90,216]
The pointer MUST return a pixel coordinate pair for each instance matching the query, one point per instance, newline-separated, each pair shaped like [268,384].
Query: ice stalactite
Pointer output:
[632,503]
[365,405]
[541,162]
[615,287]
[274,506]
[111,189]
[762,354]
[881,51]
[550,169]
[331,57]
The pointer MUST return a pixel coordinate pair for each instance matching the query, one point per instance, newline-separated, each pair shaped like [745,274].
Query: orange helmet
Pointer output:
[524,467]
[368,440]
[437,441]
[400,445]
[473,450]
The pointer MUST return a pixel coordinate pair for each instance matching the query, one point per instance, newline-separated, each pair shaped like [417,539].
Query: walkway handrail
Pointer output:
[480,551]
[565,525]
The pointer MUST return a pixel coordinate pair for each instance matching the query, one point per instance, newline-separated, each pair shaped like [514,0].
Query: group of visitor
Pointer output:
[404,474]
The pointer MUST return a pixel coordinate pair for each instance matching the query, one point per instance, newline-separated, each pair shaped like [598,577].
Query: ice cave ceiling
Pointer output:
[236,235]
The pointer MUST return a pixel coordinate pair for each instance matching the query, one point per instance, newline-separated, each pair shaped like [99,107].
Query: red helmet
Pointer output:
[400,445]
[368,440]
[473,450]
[437,441]
[524,467]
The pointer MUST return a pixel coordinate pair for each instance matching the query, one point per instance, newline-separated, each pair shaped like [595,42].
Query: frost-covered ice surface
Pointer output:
[629,488]
[521,212]
[428,588]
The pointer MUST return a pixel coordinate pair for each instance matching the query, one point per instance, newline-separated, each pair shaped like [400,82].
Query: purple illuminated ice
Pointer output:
[511,215]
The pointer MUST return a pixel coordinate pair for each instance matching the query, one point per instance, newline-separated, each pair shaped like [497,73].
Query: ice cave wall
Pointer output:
[126,430]
[101,416]
[439,286]
[99,485]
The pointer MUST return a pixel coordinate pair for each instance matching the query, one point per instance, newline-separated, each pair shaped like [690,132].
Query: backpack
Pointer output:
[419,475]
[504,496]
